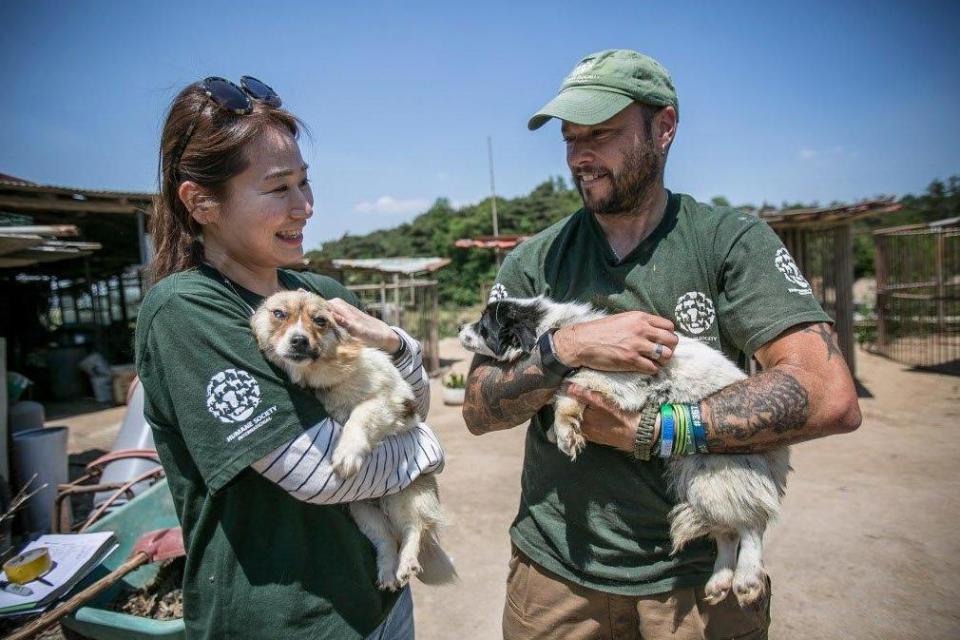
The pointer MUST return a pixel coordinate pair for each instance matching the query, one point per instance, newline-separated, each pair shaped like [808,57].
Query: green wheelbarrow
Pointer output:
[153,509]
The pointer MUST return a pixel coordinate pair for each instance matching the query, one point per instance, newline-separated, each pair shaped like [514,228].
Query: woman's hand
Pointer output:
[604,422]
[369,330]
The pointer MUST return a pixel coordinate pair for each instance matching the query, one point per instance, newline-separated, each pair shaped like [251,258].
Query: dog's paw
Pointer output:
[388,583]
[571,443]
[750,586]
[718,586]
[408,570]
[346,463]
[552,435]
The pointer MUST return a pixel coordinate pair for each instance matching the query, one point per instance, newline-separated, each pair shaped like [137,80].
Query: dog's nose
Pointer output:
[299,341]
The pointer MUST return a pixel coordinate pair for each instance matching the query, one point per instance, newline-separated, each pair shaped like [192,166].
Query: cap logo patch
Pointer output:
[695,312]
[232,395]
[786,265]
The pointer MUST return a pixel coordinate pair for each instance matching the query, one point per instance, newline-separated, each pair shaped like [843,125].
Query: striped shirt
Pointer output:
[303,465]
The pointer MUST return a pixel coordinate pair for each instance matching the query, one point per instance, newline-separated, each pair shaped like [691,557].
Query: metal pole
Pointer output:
[493,199]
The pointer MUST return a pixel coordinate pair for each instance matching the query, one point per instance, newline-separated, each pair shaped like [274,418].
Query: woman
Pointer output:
[271,549]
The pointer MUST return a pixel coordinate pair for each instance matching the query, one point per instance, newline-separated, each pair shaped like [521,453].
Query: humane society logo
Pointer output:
[232,395]
[695,312]
[788,267]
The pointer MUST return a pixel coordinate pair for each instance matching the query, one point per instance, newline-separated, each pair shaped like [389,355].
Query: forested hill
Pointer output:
[433,233]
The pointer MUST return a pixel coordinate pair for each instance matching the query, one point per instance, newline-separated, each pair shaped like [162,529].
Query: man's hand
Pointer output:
[621,342]
[604,422]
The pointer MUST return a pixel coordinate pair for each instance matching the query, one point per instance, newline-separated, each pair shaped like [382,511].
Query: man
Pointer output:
[591,542]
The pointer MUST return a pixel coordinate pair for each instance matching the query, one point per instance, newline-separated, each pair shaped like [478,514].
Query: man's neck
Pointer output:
[260,280]
[625,232]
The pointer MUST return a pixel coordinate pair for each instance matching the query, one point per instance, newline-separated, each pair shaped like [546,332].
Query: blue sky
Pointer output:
[779,101]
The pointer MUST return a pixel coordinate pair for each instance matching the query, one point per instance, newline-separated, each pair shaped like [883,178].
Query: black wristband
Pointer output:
[549,358]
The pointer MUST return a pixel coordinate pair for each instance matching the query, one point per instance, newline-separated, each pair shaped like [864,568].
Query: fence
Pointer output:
[409,304]
[918,300]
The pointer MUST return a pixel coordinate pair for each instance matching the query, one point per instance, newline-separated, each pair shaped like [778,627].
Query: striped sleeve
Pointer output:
[303,465]
[409,361]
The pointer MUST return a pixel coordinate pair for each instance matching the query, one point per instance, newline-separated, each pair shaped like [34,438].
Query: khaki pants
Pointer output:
[543,606]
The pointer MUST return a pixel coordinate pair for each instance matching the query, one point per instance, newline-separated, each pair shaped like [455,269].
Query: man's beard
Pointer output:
[631,187]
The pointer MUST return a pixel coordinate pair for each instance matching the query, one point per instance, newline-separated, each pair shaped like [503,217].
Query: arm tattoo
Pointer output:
[824,332]
[743,413]
[501,396]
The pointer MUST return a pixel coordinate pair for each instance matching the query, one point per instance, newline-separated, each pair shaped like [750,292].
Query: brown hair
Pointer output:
[214,153]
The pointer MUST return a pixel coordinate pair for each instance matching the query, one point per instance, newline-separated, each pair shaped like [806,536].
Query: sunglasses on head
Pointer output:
[229,96]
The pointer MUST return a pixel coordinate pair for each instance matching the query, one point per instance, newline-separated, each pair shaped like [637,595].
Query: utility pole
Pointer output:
[493,199]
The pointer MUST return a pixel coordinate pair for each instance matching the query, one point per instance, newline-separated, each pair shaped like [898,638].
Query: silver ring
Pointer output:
[657,352]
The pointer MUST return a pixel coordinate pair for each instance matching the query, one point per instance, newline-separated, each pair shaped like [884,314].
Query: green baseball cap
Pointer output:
[603,84]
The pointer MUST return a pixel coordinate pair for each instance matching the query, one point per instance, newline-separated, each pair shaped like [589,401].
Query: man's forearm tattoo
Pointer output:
[500,396]
[824,332]
[770,401]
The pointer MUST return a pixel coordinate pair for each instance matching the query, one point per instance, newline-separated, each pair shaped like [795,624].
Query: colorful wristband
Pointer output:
[666,430]
[699,434]
[691,447]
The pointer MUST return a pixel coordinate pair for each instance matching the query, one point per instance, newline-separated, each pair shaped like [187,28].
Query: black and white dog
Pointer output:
[729,497]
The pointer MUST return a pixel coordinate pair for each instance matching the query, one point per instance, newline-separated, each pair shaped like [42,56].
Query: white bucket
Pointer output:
[42,452]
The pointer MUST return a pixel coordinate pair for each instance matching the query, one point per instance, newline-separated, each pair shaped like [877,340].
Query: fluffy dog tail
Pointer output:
[685,525]
[437,567]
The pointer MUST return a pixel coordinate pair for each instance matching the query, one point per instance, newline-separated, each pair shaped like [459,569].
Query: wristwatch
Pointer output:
[549,357]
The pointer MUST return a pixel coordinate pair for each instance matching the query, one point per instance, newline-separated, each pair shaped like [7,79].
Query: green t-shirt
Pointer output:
[260,563]
[721,276]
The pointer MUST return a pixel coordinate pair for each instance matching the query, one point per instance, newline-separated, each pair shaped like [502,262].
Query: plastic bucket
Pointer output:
[42,452]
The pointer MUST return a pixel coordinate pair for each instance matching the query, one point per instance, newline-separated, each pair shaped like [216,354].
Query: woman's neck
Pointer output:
[260,280]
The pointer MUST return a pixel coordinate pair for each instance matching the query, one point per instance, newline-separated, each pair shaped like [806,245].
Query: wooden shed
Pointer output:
[821,242]
[70,265]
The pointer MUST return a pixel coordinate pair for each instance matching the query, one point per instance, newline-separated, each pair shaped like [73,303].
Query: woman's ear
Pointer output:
[199,202]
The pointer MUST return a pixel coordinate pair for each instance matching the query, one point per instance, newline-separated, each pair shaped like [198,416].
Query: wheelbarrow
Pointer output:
[153,509]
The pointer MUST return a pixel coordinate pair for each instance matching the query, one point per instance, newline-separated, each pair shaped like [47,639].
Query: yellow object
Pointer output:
[27,566]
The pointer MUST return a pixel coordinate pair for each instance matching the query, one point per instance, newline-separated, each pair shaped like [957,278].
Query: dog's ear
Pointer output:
[526,337]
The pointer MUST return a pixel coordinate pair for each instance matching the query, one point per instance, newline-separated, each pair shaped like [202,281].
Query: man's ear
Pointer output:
[664,128]
[199,202]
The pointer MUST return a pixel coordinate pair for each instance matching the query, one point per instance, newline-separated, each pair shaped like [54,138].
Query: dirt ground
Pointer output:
[866,547]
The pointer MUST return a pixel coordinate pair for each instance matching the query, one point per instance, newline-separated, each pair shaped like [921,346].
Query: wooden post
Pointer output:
[396,299]
[843,239]
[880,269]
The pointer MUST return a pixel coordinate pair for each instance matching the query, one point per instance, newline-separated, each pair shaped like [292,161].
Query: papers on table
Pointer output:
[73,555]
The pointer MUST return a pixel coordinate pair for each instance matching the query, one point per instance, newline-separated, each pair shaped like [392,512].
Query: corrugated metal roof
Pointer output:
[30,187]
[406,266]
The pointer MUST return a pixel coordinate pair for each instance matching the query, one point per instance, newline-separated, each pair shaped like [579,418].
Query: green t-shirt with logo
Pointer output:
[721,276]
[260,563]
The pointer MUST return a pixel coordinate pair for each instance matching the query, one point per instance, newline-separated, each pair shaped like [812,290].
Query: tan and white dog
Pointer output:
[363,391]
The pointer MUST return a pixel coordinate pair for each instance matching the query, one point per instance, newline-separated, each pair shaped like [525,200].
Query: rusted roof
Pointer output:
[490,242]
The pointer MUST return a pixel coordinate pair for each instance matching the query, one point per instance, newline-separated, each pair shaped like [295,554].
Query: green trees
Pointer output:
[433,233]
